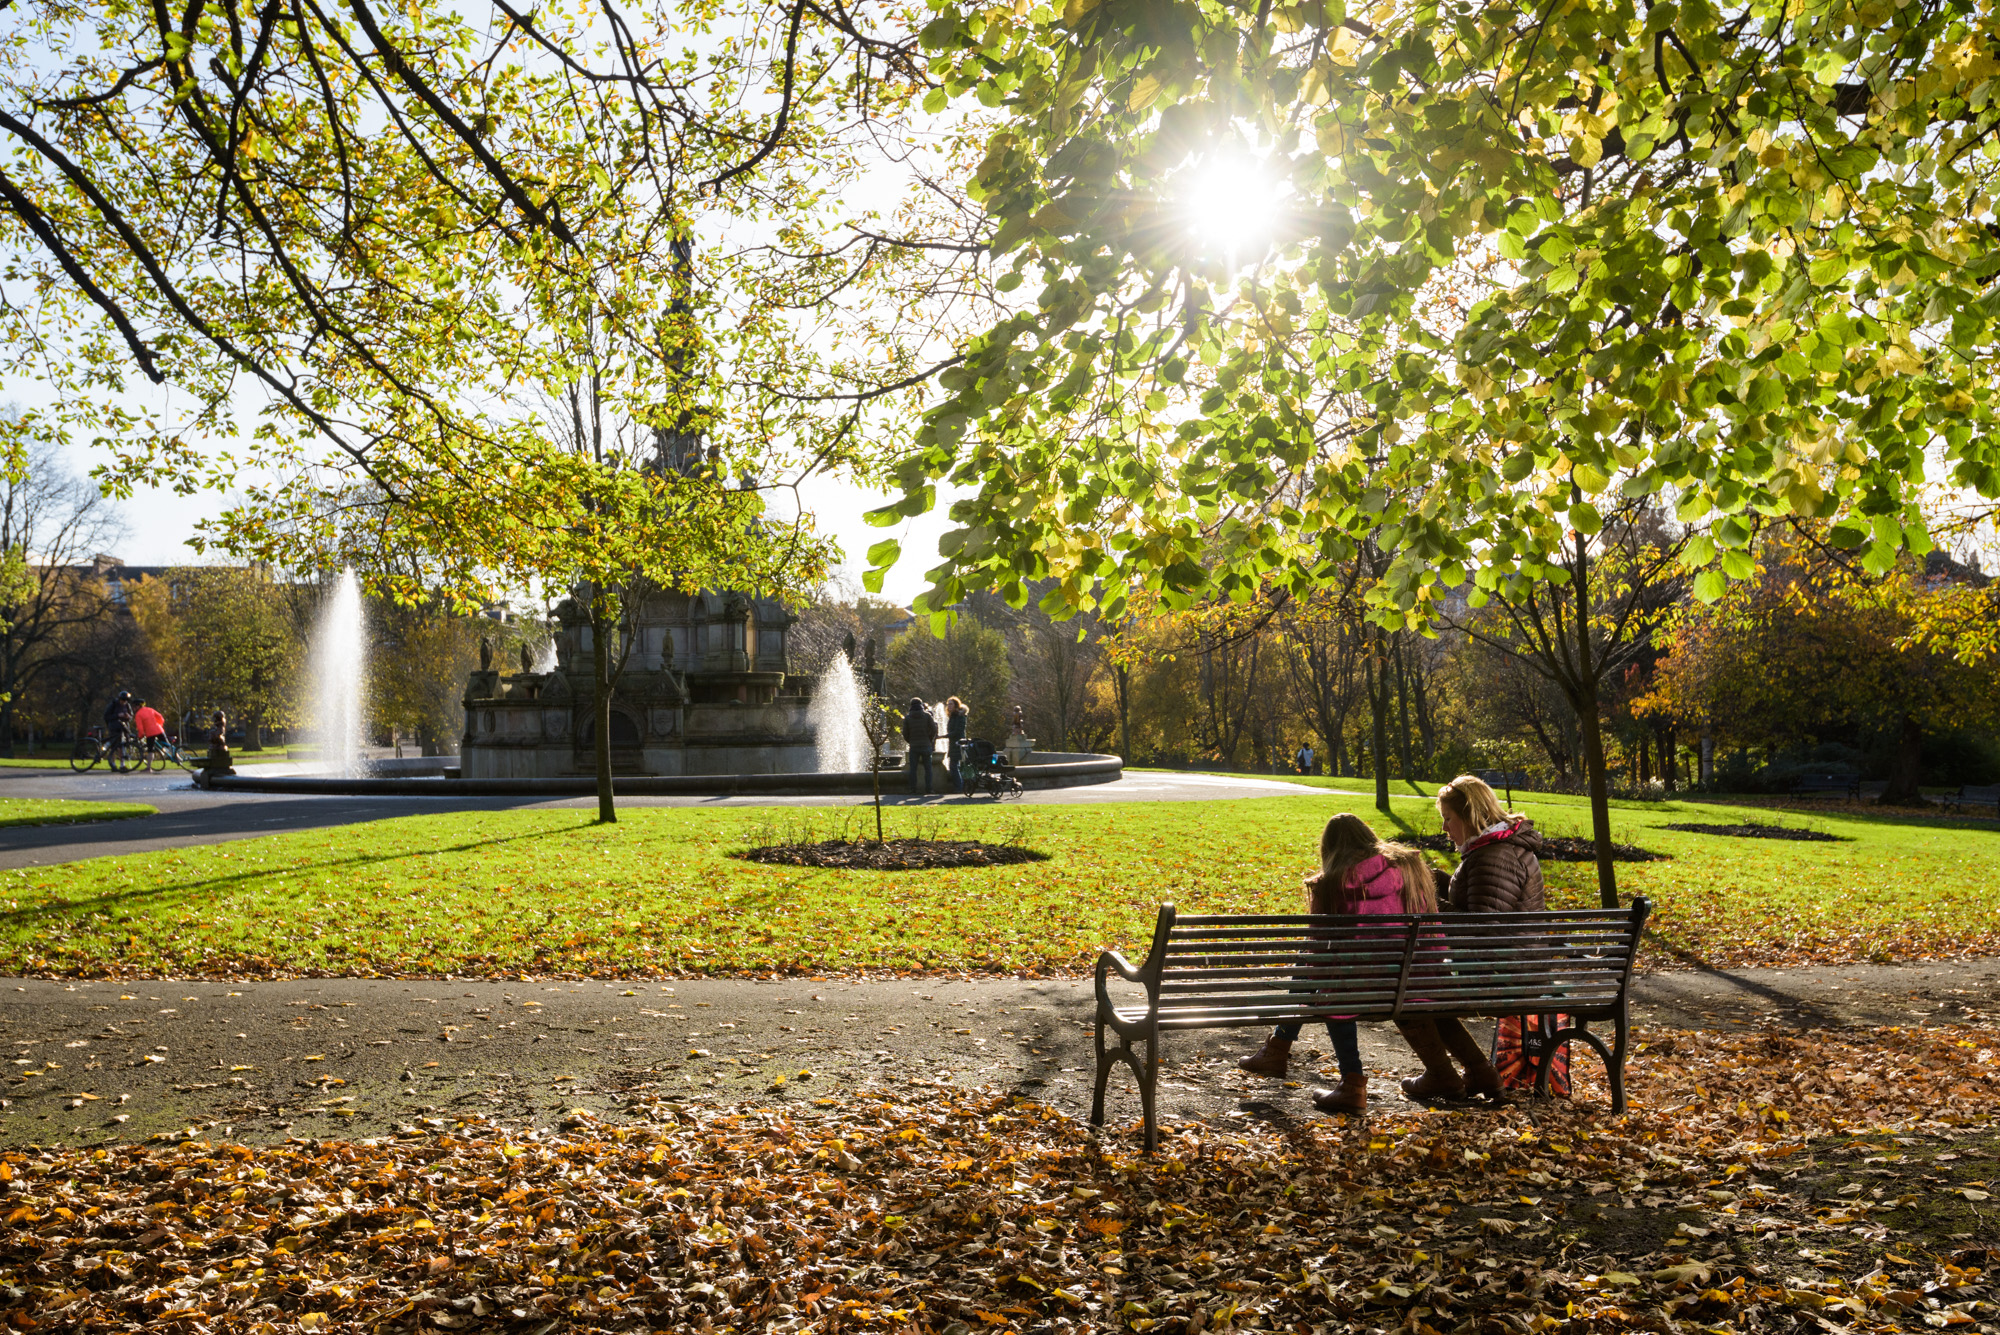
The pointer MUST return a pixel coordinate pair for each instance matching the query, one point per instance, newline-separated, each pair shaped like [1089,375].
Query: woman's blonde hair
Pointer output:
[1346,843]
[1468,798]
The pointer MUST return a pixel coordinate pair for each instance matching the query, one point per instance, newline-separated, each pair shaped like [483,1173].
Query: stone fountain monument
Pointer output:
[705,690]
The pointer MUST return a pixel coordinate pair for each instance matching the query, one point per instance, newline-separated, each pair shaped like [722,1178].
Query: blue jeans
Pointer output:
[927,760]
[1346,1043]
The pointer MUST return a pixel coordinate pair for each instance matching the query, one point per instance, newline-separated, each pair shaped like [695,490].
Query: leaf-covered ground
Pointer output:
[1763,1182]
[65,811]
[547,892]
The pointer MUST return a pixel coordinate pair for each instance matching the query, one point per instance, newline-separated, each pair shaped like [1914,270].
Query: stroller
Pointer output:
[982,767]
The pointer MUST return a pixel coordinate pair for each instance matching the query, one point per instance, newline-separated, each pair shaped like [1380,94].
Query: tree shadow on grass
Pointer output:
[125,899]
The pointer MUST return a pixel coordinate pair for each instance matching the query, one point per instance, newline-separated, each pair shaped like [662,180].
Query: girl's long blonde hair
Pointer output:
[1345,844]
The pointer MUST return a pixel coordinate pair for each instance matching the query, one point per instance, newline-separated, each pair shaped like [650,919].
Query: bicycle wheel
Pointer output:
[118,757]
[85,756]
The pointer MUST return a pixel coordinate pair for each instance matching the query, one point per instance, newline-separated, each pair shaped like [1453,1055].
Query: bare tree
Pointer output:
[52,524]
[1586,627]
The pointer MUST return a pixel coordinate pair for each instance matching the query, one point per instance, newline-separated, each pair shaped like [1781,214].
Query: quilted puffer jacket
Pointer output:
[1500,872]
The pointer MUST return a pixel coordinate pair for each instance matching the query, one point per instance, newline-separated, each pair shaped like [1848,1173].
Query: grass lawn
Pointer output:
[62,811]
[548,892]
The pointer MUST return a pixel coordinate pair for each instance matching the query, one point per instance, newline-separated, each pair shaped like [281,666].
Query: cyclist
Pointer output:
[118,719]
[151,727]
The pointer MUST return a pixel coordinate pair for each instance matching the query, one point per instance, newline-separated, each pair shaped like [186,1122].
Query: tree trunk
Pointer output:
[1426,724]
[1707,760]
[1403,711]
[1906,769]
[600,626]
[1121,679]
[1645,762]
[1585,702]
[1378,708]
[7,729]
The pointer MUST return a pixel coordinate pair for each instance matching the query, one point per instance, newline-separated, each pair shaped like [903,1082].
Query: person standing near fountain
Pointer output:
[920,730]
[955,716]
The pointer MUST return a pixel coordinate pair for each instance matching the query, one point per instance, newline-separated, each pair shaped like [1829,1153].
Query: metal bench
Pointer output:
[1826,783]
[1973,795]
[1237,971]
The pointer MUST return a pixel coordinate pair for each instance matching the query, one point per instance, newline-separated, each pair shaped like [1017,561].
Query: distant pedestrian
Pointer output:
[920,731]
[148,723]
[955,716]
[1305,758]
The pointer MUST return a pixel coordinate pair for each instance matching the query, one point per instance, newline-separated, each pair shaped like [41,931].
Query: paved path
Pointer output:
[188,815]
[355,1057]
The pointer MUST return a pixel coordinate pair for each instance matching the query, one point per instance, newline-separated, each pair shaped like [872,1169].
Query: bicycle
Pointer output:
[159,751]
[91,748]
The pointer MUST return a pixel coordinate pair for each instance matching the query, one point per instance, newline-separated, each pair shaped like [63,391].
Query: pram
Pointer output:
[983,767]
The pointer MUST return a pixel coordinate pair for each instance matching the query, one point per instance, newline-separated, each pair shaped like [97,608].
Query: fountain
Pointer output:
[705,704]
[340,669]
[835,715]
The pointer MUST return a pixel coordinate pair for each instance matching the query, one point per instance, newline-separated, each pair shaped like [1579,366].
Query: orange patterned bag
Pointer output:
[1519,1044]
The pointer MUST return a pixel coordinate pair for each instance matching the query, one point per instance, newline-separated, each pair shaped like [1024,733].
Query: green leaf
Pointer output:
[1828,270]
[1518,465]
[883,517]
[1709,585]
[871,580]
[884,553]
[1583,517]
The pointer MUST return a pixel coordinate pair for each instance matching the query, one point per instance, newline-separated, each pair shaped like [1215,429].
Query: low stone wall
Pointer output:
[1043,770]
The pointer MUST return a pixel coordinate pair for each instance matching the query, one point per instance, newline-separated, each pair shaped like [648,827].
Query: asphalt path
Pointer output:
[192,816]
[101,1061]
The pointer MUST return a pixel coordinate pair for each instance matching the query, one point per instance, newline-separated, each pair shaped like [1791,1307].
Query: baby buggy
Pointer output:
[982,767]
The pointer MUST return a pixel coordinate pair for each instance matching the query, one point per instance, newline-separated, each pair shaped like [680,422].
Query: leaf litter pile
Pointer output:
[893,854]
[1557,848]
[1763,1182]
[1758,830]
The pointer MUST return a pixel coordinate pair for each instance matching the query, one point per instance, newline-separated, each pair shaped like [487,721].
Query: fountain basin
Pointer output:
[1045,769]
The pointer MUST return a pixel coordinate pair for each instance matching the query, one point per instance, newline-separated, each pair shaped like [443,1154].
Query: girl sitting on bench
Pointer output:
[1358,874]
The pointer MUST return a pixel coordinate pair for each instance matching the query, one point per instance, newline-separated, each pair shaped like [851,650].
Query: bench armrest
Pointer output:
[1111,960]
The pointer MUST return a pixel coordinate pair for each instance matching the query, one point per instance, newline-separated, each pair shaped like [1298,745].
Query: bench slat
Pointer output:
[1428,939]
[1186,921]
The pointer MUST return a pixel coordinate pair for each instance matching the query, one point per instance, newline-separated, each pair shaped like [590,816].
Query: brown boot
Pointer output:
[1271,1059]
[1439,1080]
[1481,1080]
[1350,1097]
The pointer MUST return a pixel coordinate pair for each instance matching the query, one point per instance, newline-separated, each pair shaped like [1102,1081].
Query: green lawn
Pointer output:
[547,891]
[62,811]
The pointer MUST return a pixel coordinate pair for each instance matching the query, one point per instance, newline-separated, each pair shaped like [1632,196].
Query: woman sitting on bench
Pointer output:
[1358,874]
[1498,872]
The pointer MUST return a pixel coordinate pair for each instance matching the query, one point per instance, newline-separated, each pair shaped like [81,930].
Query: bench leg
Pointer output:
[1615,1068]
[1147,1073]
[1149,1083]
[1547,1061]
[1104,1059]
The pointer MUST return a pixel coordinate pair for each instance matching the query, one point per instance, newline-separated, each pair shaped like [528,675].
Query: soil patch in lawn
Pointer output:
[893,854]
[1753,830]
[1557,848]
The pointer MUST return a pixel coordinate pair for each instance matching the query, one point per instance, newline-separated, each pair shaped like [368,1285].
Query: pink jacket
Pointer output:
[1380,886]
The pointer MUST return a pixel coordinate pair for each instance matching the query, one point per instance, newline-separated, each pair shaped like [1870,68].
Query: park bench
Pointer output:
[1972,795]
[1238,971]
[1827,783]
